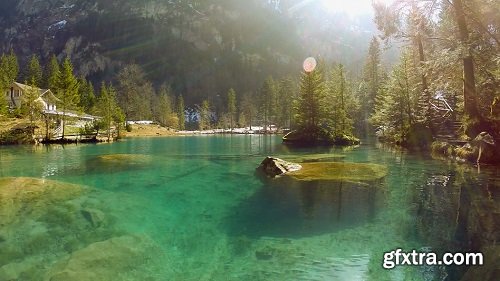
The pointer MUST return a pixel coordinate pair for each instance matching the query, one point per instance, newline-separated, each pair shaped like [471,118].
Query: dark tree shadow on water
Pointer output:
[291,209]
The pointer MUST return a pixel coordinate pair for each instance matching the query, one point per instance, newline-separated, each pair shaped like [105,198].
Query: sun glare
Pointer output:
[351,7]
[310,64]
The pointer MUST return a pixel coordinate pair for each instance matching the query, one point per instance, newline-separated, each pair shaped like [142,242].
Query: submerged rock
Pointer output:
[311,169]
[12,271]
[265,253]
[95,217]
[117,258]
[306,158]
[339,171]
[124,159]
[113,163]
[41,221]
[273,167]
[32,196]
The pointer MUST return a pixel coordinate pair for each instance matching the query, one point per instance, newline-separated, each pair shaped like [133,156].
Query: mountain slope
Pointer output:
[201,48]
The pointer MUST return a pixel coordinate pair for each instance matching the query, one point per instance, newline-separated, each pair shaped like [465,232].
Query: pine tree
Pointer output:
[406,20]
[371,77]
[231,106]
[286,96]
[34,72]
[181,113]
[164,108]
[52,73]
[397,101]
[135,93]
[4,107]
[248,109]
[108,109]
[341,103]
[9,70]
[310,108]
[204,116]
[105,110]
[87,96]
[268,100]
[10,66]
[67,90]
[31,105]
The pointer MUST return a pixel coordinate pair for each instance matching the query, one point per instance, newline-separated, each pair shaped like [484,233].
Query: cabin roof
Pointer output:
[45,94]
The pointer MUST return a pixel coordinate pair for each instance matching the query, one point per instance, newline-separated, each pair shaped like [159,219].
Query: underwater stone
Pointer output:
[11,271]
[264,254]
[95,217]
[124,159]
[112,259]
[32,196]
[112,163]
[339,171]
[306,158]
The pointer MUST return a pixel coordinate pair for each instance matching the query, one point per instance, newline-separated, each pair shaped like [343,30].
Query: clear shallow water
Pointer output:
[205,216]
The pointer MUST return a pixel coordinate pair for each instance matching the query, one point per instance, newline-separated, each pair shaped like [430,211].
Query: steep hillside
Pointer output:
[201,48]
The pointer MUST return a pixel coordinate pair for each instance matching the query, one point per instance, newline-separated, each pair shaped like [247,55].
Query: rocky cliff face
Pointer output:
[198,47]
[46,27]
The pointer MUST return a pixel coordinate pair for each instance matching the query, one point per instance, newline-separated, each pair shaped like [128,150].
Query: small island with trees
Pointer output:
[322,108]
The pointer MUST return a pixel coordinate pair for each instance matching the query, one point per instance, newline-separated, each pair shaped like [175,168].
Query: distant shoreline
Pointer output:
[152,130]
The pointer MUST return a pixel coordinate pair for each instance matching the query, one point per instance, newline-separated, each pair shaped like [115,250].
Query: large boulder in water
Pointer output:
[272,167]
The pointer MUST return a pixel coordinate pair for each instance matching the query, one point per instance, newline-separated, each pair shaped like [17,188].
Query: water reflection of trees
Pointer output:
[458,211]
[296,209]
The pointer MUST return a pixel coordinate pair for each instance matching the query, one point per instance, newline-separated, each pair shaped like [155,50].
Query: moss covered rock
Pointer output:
[307,158]
[339,171]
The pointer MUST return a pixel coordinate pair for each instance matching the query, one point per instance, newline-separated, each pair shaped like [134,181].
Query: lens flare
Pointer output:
[310,64]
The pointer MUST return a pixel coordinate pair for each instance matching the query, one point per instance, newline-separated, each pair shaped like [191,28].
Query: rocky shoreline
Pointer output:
[482,149]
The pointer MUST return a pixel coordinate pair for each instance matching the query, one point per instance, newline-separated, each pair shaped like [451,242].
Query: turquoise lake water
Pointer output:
[191,208]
